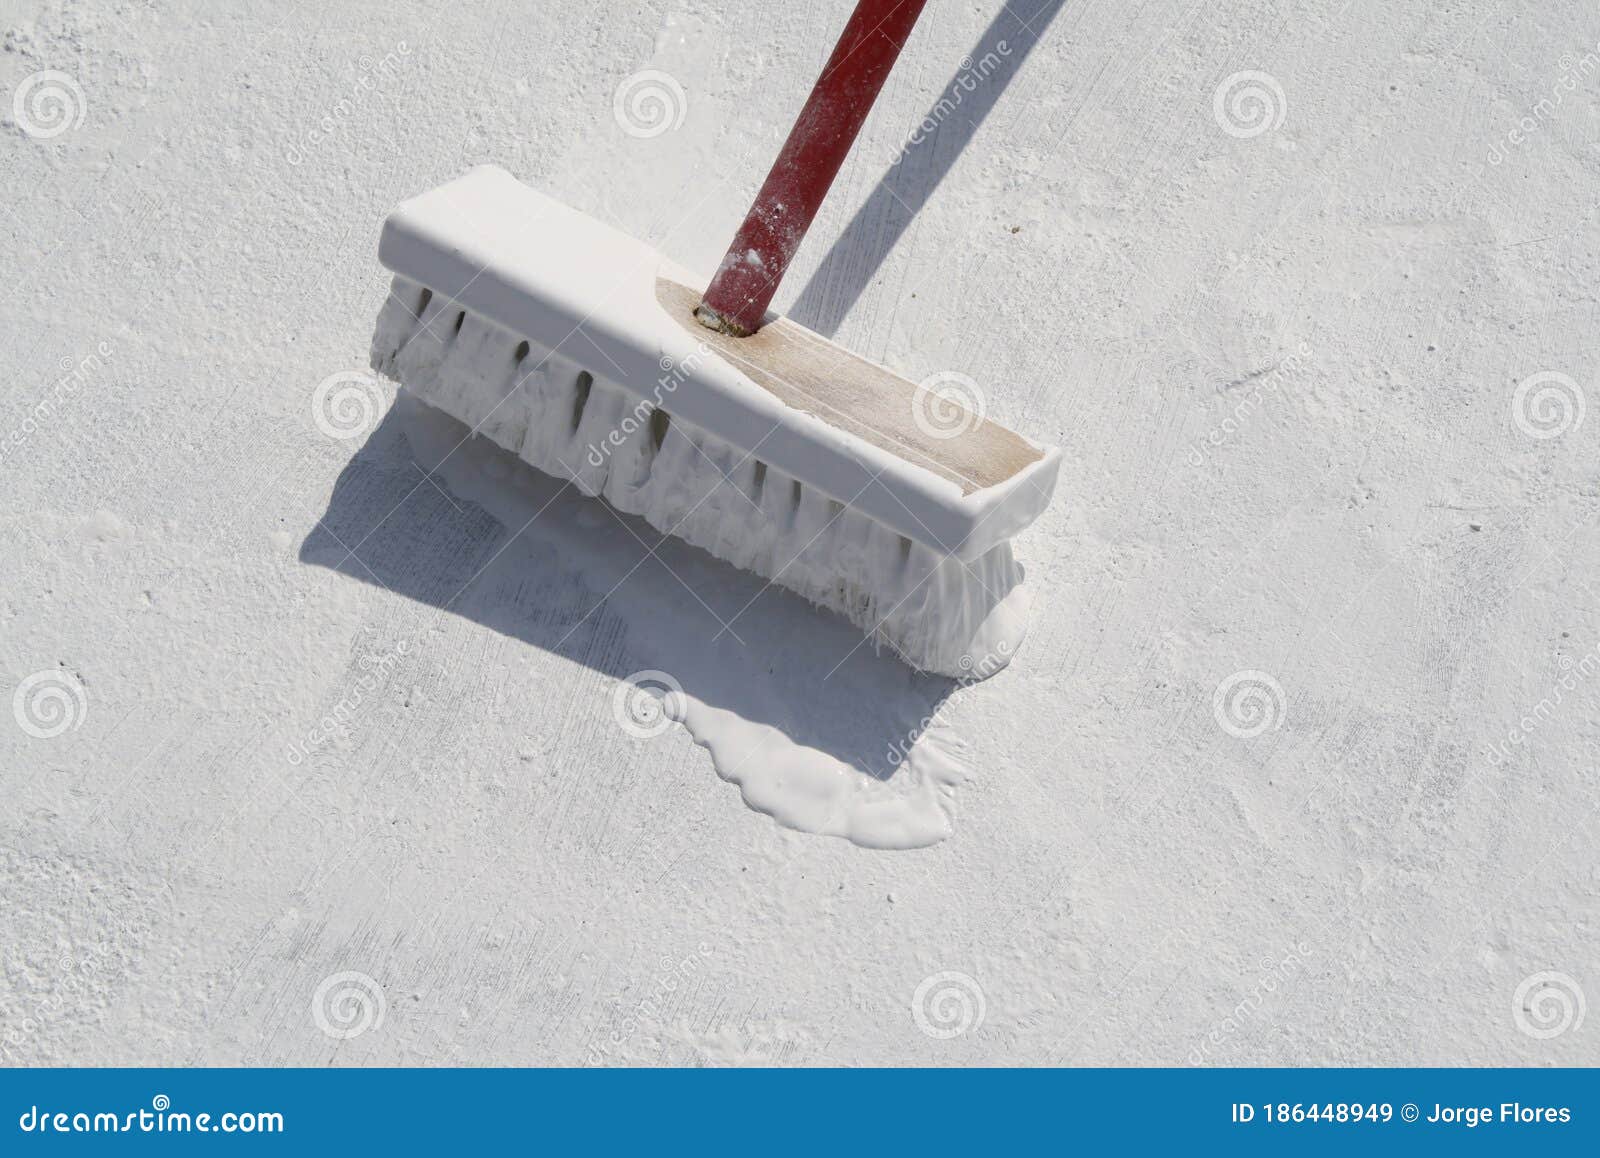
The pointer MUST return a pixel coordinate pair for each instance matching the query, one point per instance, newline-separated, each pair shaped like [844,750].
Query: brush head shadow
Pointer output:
[431,513]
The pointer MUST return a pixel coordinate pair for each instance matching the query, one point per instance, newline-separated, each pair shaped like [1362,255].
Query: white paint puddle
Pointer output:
[807,789]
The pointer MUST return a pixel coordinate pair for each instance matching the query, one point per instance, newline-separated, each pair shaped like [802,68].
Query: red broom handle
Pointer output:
[738,296]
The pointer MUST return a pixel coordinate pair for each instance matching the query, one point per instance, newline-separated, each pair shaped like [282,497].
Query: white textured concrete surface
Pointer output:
[1284,365]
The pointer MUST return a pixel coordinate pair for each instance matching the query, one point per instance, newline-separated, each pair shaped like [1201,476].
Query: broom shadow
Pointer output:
[854,259]
[536,561]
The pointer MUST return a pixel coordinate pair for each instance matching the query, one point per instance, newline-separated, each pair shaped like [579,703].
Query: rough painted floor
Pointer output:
[1298,765]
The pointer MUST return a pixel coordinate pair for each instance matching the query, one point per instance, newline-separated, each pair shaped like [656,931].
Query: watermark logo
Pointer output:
[1290,371]
[948,1004]
[971,74]
[1574,673]
[1273,973]
[48,103]
[346,405]
[348,1004]
[647,702]
[1249,103]
[947,405]
[1548,1004]
[81,976]
[981,667]
[50,703]
[649,103]
[647,411]
[76,374]
[336,721]
[973,669]
[372,75]
[1248,703]
[1548,404]
[160,1118]
[1575,70]
[671,979]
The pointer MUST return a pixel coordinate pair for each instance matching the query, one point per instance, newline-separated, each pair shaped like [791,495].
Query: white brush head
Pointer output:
[573,345]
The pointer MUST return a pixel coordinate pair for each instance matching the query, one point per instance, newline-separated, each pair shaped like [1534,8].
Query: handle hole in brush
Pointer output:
[584,384]
[422,302]
[460,318]
[522,351]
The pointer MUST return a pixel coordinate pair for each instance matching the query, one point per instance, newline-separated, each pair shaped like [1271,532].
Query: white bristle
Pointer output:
[941,614]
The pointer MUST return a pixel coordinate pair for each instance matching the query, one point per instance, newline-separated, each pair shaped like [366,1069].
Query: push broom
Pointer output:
[596,361]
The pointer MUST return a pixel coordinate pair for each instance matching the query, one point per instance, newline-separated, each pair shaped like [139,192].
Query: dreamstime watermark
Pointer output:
[653,1009]
[1290,369]
[649,103]
[1573,673]
[47,103]
[948,1004]
[674,373]
[973,669]
[1248,703]
[375,670]
[348,1004]
[160,1118]
[1542,111]
[347,404]
[1548,404]
[75,375]
[967,79]
[50,703]
[1270,975]
[372,75]
[947,404]
[1249,103]
[73,988]
[1548,1004]
[647,702]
